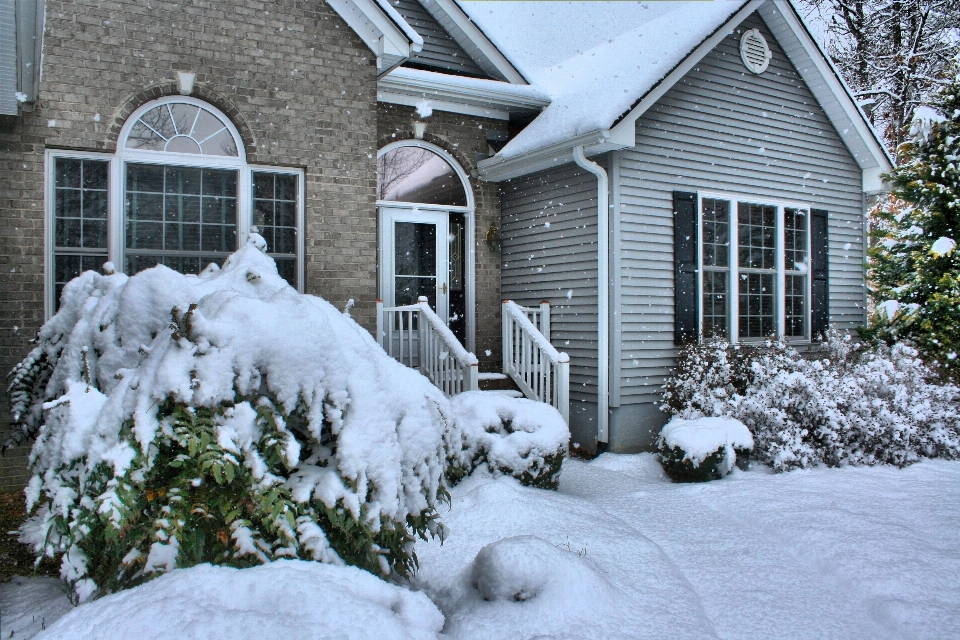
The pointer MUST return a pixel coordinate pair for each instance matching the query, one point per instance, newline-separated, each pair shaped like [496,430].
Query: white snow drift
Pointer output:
[283,599]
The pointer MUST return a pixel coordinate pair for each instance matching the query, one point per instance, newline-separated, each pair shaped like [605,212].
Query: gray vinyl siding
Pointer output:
[724,129]
[8,58]
[540,262]
[439,49]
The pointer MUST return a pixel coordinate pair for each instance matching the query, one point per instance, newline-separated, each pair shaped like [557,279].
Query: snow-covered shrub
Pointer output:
[221,418]
[513,436]
[845,405]
[703,449]
[523,568]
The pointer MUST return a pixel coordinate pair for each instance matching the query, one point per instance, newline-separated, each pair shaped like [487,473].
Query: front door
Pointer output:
[414,258]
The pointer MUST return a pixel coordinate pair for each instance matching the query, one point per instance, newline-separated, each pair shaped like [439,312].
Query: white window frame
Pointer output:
[733,283]
[117,187]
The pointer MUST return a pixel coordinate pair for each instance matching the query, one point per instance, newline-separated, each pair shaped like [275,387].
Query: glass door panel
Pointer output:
[415,262]
[413,258]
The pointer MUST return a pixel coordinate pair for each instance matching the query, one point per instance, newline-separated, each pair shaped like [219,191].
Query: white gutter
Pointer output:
[473,96]
[498,168]
[603,293]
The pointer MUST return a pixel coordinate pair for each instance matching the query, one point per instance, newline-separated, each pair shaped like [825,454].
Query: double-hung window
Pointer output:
[754,268]
[178,192]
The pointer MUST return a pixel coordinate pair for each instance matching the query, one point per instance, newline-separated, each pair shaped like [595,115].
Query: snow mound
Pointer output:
[29,605]
[526,567]
[293,397]
[703,436]
[283,599]
[513,436]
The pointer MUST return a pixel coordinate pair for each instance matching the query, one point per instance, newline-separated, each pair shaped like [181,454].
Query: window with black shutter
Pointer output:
[748,268]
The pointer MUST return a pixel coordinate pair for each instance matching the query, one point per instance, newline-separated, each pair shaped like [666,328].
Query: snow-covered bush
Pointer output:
[522,568]
[513,436]
[703,449]
[221,418]
[845,405]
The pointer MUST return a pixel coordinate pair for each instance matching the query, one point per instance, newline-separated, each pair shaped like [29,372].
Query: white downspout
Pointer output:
[603,293]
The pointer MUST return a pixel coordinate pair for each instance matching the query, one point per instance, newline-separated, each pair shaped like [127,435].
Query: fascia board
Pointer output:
[435,88]
[408,100]
[471,38]
[629,121]
[416,40]
[378,32]
[839,104]
[497,169]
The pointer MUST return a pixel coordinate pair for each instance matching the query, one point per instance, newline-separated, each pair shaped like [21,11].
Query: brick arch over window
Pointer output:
[200,92]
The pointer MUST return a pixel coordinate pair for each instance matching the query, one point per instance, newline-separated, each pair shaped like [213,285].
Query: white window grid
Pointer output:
[115,209]
[734,270]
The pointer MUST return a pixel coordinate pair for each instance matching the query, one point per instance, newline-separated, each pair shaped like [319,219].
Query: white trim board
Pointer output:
[472,40]
[384,37]
[484,98]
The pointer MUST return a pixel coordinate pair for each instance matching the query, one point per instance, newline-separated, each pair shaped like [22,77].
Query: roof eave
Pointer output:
[382,35]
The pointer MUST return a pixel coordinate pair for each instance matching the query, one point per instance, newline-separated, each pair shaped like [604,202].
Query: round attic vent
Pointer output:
[754,51]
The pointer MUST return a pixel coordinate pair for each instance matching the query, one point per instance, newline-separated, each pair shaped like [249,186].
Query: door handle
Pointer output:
[443,288]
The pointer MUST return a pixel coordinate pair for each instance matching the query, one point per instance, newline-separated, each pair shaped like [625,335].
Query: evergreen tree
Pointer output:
[914,262]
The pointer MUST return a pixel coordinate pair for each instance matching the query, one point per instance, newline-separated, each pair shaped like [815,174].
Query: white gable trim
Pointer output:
[472,40]
[628,124]
[828,87]
[391,41]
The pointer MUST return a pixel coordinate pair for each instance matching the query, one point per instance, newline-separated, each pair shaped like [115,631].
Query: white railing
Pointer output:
[539,370]
[418,338]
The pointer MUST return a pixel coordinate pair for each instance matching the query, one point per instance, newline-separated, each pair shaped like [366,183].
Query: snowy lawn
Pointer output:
[618,552]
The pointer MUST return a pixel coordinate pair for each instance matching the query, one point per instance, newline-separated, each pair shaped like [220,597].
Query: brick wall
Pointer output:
[463,136]
[297,82]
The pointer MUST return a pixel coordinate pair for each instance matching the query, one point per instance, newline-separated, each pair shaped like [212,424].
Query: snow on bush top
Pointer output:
[268,601]
[703,436]
[514,434]
[235,333]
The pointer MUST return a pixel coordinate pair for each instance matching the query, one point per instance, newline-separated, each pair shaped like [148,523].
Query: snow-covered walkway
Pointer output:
[620,552]
[826,553]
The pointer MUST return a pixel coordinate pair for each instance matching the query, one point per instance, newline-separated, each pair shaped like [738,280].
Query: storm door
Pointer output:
[415,258]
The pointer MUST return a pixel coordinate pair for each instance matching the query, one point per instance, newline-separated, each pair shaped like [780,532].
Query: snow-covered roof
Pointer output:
[602,64]
[594,59]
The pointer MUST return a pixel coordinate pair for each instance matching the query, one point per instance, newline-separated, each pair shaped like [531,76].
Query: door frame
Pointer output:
[469,231]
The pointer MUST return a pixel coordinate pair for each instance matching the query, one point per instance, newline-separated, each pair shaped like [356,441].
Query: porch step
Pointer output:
[510,393]
[497,382]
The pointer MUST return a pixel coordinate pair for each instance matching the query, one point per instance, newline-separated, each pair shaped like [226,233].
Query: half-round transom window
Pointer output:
[180,127]
[415,174]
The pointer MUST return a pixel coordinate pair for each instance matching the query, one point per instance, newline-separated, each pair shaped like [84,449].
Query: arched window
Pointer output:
[417,174]
[178,192]
[182,127]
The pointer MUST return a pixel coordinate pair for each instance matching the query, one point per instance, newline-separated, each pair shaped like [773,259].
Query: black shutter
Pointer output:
[687,312]
[819,306]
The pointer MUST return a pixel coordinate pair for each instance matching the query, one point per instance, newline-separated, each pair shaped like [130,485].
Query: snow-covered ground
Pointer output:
[620,552]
